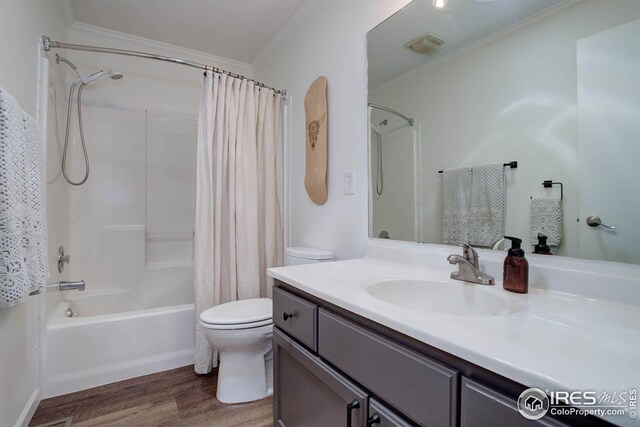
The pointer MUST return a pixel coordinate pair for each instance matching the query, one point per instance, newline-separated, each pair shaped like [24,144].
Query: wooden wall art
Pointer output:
[315,107]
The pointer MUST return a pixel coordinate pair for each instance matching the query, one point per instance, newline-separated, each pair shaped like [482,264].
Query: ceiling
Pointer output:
[460,23]
[234,29]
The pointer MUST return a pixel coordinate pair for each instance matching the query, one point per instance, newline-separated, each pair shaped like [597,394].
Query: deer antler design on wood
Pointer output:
[313,129]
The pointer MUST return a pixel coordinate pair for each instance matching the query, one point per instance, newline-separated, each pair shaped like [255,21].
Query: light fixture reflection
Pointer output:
[439,4]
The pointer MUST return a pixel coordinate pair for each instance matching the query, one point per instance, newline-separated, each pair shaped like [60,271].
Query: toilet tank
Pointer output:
[299,255]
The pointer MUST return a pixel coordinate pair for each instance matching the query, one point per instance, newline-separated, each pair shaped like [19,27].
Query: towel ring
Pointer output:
[549,183]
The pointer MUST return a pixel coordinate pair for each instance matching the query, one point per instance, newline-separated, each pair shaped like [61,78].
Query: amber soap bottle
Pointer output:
[516,268]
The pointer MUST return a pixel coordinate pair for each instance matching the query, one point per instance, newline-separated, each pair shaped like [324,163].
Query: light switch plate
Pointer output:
[350,182]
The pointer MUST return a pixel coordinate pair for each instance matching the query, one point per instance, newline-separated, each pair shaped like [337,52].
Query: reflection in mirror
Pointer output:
[551,84]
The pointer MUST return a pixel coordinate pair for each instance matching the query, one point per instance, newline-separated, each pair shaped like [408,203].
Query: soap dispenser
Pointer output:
[516,268]
[542,248]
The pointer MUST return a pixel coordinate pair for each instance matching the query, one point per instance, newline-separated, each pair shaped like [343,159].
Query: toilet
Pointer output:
[242,331]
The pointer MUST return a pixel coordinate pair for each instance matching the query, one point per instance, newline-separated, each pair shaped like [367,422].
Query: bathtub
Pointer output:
[112,339]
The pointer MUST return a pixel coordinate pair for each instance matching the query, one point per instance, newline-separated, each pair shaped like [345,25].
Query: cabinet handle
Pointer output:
[287,316]
[350,407]
[373,419]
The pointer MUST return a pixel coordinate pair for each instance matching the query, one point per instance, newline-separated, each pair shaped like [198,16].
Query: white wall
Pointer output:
[21,24]
[512,98]
[328,38]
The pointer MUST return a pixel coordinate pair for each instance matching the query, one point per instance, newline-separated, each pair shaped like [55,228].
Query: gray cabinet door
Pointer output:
[308,393]
[382,416]
[484,407]
[424,390]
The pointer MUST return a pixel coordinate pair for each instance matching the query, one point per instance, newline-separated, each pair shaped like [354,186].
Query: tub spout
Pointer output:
[61,286]
[68,286]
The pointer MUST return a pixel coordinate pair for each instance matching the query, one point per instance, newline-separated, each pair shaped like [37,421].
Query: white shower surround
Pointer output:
[130,238]
[136,316]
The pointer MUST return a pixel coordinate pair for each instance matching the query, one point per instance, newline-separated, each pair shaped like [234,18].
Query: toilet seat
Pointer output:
[243,314]
[267,322]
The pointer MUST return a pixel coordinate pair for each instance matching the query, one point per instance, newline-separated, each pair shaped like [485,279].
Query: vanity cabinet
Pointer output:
[424,390]
[334,368]
[382,416]
[295,316]
[483,407]
[310,393]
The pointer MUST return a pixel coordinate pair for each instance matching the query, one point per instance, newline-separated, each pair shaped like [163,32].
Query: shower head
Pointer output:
[377,129]
[115,75]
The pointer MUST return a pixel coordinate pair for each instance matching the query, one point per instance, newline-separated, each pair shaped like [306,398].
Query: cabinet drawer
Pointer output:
[381,416]
[295,316]
[483,407]
[422,389]
[311,394]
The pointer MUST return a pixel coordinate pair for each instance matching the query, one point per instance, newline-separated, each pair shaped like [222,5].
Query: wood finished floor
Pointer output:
[178,397]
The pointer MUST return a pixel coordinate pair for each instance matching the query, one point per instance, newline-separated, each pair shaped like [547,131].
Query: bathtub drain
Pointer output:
[70,313]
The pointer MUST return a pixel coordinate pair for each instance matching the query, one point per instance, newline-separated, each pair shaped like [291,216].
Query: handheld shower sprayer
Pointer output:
[115,75]
[80,83]
[379,174]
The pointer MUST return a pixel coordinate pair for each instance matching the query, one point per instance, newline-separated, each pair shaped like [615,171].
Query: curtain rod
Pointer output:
[389,110]
[50,44]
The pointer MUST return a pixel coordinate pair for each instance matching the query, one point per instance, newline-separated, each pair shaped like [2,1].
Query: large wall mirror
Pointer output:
[458,94]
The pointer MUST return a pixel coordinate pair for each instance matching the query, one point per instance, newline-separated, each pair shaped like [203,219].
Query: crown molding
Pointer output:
[131,42]
[545,15]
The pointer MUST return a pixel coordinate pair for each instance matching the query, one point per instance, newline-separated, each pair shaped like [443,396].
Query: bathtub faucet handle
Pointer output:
[62,259]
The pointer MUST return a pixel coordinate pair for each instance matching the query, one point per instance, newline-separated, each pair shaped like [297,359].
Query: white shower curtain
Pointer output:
[239,197]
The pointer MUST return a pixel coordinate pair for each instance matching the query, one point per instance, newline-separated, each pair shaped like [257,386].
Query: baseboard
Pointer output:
[29,408]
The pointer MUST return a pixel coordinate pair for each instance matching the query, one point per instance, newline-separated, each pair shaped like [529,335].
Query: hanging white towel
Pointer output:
[546,218]
[456,202]
[23,235]
[487,212]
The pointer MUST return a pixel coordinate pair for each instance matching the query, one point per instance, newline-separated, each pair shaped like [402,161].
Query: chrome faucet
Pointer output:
[497,246]
[61,286]
[68,286]
[469,267]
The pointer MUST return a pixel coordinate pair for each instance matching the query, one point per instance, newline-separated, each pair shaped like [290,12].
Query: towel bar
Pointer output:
[512,165]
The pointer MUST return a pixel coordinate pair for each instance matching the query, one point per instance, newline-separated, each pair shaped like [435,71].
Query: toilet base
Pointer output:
[243,377]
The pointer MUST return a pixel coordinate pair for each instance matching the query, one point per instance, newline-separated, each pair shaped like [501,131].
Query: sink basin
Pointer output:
[459,299]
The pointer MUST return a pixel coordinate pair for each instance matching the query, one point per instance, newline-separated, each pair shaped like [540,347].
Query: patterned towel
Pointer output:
[546,218]
[473,205]
[456,202]
[487,212]
[23,235]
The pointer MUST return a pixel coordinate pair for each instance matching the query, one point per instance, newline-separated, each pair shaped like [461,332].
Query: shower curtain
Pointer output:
[239,197]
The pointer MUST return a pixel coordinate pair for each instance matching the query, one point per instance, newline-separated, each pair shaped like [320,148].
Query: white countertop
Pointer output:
[552,339]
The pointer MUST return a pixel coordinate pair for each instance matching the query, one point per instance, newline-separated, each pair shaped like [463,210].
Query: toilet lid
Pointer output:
[239,312]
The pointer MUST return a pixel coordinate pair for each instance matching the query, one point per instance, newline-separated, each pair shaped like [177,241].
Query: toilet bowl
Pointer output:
[241,331]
